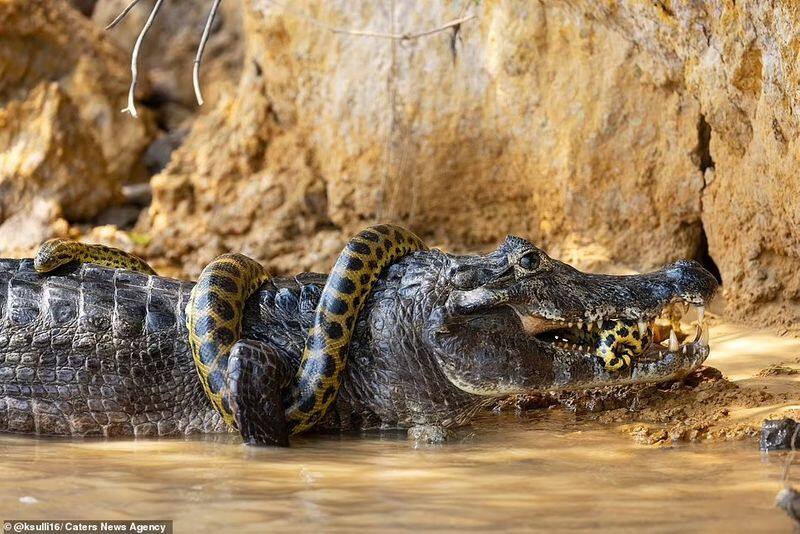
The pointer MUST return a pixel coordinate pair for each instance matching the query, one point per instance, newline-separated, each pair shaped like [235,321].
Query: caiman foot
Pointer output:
[256,376]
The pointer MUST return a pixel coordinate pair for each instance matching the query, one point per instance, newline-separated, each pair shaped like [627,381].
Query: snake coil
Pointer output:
[216,304]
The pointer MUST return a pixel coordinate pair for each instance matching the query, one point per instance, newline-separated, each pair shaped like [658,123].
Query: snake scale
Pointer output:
[214,312]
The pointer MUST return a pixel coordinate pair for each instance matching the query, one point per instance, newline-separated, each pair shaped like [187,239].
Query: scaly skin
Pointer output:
[57,252]
[87,350]
[214,322]
[214,313]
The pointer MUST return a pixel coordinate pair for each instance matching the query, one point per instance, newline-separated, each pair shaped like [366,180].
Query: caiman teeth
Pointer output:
[673,342]
[643,326]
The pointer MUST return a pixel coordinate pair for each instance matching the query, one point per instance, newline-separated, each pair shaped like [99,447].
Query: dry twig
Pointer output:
[366,33]
[131,108]
[122,15]
[135,59]
[200,49]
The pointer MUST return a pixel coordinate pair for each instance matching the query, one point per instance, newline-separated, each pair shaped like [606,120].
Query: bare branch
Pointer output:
[122,15]
[366,33]
[200,49]
[135,59]
[131,108]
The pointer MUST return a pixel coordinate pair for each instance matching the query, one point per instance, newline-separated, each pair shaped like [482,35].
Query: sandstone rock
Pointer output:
[540,125]
[46,152]
[643,129]
[738,60]
[47,40]
[22,233]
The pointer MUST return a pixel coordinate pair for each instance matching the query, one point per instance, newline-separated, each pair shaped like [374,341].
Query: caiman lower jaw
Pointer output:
[579,338]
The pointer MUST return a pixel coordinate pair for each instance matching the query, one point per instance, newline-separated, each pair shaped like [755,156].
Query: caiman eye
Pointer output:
[529,261]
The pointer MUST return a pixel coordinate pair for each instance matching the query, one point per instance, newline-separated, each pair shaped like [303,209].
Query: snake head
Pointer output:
[53,253]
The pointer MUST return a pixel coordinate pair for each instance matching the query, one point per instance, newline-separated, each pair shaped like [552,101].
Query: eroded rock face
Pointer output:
[46,40]
[63,140]
[739,61]
[540,124]
[47,153]
[635,127]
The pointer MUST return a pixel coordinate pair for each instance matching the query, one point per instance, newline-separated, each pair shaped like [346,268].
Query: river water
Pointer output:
[543,470]
[533,472]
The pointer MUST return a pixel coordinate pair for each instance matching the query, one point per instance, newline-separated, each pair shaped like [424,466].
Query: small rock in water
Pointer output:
[776,435]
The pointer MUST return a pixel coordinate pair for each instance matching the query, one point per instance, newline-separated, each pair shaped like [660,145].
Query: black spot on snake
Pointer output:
[369,236]
[359,248]
[204,325]
[230,269]
[343,284]
[354,264]
[208,353]
[202,302]
[224,336]
[307,405]
[329,367]
[216,381]
[336,305]
[224,282]
[334,330]
[222,309]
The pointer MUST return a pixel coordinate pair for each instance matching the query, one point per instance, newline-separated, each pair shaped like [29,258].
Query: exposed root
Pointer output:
[135,58]
[200,49]
[122,15]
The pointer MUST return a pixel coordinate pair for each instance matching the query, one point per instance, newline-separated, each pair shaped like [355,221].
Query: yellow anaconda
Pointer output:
[214,313]
[343,296]
[620,342]
[57,252]
[214,321]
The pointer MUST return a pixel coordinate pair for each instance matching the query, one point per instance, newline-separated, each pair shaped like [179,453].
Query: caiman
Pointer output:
[87,350]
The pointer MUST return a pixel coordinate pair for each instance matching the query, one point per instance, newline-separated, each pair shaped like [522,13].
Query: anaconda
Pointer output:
[438,336]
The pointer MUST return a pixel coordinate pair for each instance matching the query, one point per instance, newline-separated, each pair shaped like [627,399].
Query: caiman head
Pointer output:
[516,320]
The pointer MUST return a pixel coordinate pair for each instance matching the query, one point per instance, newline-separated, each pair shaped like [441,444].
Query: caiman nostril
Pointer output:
[692,281]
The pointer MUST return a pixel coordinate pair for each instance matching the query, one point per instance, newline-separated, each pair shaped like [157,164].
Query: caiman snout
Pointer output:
[693,283]
[574,317]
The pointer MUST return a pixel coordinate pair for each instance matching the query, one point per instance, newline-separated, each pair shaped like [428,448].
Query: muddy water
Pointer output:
[543,470]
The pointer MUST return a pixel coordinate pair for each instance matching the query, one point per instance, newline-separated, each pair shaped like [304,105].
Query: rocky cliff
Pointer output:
[608,132]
